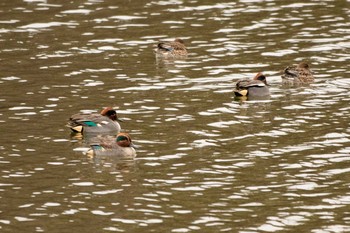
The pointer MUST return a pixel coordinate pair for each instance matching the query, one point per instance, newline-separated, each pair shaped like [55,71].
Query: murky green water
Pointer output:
[206,162]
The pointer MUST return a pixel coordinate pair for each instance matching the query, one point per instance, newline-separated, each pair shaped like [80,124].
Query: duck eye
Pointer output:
[261,78]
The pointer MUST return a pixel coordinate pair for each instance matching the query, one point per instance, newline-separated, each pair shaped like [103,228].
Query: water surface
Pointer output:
[206,161]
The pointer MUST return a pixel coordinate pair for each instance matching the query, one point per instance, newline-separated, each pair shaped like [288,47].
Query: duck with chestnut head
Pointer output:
[256,87]
[173,49]
[297,75]
[104,122]
[120,146]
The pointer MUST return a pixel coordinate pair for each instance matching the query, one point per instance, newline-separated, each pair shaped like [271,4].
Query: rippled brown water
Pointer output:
[206,162]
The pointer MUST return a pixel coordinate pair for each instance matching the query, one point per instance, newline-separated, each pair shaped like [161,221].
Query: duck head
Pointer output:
[124,140]
[110,113]
[179,41]
[303,65]
[259,76]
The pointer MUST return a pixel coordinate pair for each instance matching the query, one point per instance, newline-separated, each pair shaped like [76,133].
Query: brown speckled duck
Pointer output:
[297,75]
[120,146]
[174,49]
[256,87]
[104,122]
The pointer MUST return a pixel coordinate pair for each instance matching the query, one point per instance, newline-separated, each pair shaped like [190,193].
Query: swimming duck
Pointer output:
[121,146]
[256,87]
[298,75]
[174,49]
[104,122]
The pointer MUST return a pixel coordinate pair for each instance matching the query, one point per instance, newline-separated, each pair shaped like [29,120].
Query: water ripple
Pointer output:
[206,161]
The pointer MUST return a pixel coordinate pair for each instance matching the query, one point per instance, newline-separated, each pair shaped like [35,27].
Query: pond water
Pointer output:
[206,162]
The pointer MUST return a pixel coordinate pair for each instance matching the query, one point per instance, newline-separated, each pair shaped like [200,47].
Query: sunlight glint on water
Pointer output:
[205,161]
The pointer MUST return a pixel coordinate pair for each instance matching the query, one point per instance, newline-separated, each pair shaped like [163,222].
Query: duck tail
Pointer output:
[241,92]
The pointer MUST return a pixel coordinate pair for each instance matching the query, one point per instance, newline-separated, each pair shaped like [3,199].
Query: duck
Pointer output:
[120,146]
[256,87]
[297,75]
[174,49]
[104,122]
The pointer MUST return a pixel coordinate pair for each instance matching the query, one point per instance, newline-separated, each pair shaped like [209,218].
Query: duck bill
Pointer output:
[119,120]
[133,145]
